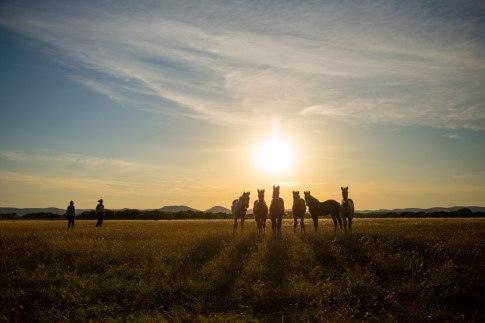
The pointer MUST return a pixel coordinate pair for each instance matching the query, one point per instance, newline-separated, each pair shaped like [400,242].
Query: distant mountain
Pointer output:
[177,208]
[219,209]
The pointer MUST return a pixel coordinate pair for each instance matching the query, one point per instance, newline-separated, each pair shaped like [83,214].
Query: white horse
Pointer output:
[239,208]
[347,208]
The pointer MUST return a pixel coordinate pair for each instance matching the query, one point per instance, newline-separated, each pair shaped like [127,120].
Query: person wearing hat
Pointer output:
[71,214]
[100,212]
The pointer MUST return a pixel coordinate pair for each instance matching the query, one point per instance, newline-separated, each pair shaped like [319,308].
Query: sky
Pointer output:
[154,103]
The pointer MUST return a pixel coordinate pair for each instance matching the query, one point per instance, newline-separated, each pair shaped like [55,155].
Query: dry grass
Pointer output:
[387,270]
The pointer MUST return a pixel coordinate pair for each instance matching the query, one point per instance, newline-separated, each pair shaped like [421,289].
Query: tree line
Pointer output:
[134,214]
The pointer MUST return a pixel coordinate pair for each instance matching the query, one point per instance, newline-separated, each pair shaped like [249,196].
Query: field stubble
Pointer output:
[386,270]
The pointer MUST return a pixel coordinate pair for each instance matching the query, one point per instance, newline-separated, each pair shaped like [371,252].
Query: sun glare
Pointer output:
[275,156]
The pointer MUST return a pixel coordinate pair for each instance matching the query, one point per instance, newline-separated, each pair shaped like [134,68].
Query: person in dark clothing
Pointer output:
[71,214]
[100,212]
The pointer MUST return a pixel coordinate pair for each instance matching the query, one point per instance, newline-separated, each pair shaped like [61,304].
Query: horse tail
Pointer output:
[233,206]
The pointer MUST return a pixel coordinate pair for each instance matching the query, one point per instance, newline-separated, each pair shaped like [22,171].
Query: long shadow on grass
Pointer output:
[277,260]
[351,250]
[205,279]
[237,253]
[275,296]
[201,253]
[324,255]
[219,282]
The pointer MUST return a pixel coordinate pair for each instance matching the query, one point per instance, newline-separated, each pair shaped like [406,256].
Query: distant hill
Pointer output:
[177,208]
[219,209]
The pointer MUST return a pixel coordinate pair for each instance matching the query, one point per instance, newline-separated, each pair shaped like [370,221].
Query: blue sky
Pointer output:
[167,102]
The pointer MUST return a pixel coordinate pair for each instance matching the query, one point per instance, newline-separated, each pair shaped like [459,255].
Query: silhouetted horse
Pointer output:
[238,208]
[317,208]
[276,210]
[260,211]
[299,209]
[347,208]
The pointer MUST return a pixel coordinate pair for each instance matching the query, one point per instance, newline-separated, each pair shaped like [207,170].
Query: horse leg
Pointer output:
[344,218]
[334,218]
[350,224]
[295,223]
[339,219]
[315,222]
[234,229]
[242,223]
[302,224]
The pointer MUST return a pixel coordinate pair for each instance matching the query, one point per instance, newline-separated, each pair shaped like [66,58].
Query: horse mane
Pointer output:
[312,199]
[238,204]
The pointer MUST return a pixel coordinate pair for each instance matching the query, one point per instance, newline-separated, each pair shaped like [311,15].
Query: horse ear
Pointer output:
[342,188]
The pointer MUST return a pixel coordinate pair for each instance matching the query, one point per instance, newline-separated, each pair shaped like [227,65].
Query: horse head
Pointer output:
[308,197]
[345,192]
[244,199]
[296,196]
[276,192]
[261,195]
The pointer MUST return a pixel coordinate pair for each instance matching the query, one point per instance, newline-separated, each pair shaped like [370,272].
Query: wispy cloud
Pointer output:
[81,175]
[61,164]
[371,61]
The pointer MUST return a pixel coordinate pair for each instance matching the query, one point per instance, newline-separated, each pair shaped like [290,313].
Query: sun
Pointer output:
[275,156]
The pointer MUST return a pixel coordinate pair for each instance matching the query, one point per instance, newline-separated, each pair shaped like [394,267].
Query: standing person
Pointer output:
[71,214]
[100,212]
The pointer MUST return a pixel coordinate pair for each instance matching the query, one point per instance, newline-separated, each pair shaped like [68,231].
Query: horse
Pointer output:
[347,208]
[238,208]
[260,211]
[299,210]
[276,210]
[317,208]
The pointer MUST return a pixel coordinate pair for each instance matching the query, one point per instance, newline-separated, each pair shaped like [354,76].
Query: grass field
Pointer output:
[386,270]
